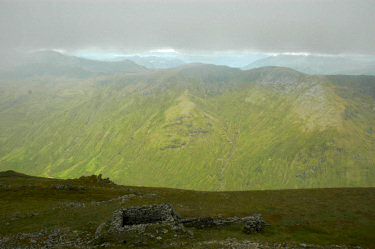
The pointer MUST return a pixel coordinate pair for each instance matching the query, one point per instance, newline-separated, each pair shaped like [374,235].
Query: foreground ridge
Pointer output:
[76,213]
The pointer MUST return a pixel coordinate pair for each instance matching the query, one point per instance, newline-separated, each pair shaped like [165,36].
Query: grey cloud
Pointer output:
[329,26]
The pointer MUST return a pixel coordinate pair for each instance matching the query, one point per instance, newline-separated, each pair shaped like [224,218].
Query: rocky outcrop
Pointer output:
[104,180]
[96,179]
[254,224]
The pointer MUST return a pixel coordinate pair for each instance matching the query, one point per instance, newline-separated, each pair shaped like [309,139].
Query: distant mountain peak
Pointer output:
[314,64]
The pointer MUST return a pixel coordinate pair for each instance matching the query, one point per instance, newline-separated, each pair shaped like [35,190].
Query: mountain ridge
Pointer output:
[324,65]
[55,64]
[197,126]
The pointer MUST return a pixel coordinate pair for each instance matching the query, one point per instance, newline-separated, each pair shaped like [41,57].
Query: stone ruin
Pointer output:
[199,222]
[136,218]
[126,218]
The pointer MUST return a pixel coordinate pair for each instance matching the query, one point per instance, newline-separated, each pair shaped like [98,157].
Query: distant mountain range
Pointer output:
[197,126]
[163,60]
[155,62]
[320,64]
[311,64]
[50,63]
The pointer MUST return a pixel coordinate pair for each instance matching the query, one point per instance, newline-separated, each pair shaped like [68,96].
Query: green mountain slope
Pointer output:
[199,126]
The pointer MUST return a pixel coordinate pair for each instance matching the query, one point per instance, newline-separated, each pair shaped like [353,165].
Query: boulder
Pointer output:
[102,228]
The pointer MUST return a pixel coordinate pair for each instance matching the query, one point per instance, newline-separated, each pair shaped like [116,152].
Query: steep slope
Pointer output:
[197,126]
[313,64]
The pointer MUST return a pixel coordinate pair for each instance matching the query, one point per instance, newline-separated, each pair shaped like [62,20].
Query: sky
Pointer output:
[190,26]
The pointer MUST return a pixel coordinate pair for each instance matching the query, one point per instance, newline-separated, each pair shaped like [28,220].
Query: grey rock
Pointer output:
[104,180]
[64,186]
[139,243]
[106,244]
[200,222]
[190,233]
[100,230]
[254,224]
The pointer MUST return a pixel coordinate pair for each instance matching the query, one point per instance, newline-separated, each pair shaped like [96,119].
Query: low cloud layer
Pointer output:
[324,27]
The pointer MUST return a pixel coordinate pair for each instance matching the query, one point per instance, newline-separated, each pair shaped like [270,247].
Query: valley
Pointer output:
[206,124]
[198,126]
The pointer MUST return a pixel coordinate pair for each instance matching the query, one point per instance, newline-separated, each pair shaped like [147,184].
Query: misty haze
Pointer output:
[187,124]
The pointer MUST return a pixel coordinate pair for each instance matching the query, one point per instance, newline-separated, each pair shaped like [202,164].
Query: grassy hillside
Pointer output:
[200,127]
[33,210]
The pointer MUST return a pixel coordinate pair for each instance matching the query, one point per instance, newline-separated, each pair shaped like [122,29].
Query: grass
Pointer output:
[342,216]
[197,127]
